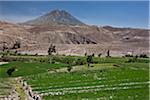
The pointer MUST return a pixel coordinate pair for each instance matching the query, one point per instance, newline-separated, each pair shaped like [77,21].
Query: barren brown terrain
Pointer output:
[36,37]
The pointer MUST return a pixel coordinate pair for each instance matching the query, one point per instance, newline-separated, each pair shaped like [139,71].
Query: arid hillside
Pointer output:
[71,36]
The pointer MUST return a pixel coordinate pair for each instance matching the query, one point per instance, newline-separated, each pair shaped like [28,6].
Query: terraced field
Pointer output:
[107,79]
[28,68]
[126,82]
[5,87]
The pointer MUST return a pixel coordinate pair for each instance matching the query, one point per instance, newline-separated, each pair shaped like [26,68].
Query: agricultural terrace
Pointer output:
[116,78]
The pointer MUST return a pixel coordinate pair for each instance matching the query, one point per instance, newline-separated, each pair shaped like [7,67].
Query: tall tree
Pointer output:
[99,55]
[51,49]
[108,53]
[89,60]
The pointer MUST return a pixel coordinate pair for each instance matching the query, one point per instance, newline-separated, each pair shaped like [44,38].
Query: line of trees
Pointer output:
[16,45]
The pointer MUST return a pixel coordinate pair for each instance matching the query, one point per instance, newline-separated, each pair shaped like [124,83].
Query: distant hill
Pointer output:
[71,35]
[55,17]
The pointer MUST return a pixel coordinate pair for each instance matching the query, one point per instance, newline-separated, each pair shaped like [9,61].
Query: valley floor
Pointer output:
[112,78]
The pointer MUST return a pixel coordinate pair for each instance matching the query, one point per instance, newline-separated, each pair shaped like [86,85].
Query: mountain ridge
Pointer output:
[55,17]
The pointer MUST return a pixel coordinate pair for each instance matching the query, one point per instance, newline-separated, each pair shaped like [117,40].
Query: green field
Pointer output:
[26,68]
[111,78]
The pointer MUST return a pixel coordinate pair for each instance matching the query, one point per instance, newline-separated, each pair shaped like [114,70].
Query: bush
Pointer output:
[116,65]
[127,55]
[69,68]
[99,55]
[131,60]
[80,61]
[85,54]
[92,66]
[93,55]
[89,60]
[10,71]
[143,56]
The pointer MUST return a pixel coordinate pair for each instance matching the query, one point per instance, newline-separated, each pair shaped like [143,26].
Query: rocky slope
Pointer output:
[12,33]
[71,36]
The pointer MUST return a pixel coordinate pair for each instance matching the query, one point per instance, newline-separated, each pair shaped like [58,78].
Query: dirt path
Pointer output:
[21,90]
[18,92]
[27,90]
[15,92]
[1,63]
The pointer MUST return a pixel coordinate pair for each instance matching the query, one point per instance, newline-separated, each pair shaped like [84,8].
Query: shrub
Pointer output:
[92,66]
[108,53]
[116,65]
[93,55]
[134,59]
[127,55]
[10,71]
[143,56]
[69,68]
[89,60]
[99,55]
[80,61]
[51,49]
[16,45]
[85,54]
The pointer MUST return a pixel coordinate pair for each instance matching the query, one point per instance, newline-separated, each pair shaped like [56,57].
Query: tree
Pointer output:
[108,53]
[69,68]
[143,56]
[99,55]
[10,71]
[93,54]
[89,60]
[136,56]
[16,45]
[51,49]
[4,46]
[85,54]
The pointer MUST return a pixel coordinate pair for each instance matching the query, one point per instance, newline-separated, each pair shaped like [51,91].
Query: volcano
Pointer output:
[55,17]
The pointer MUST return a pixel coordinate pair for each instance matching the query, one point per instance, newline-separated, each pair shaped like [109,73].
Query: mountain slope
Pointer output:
[71,35]
[56,17]
[12,33]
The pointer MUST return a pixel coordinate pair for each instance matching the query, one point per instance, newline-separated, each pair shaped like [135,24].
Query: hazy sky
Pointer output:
[115,13]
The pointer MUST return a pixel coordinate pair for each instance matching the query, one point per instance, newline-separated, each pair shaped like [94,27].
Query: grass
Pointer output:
[83,76]
[27,68]
[129,94]
[111,78]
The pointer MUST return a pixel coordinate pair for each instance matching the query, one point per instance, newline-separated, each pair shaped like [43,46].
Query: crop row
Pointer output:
[64,91]
[81,83]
